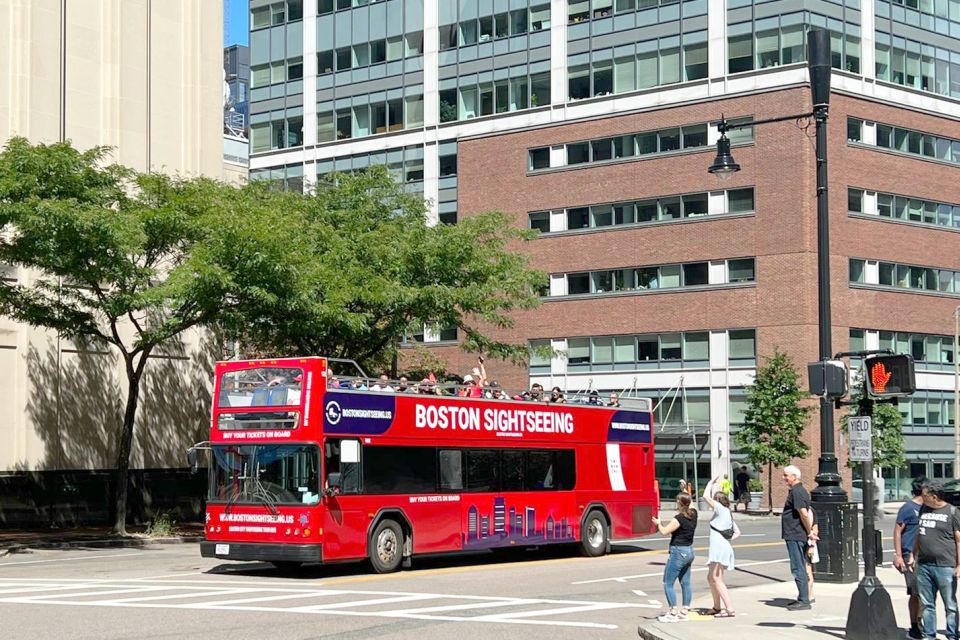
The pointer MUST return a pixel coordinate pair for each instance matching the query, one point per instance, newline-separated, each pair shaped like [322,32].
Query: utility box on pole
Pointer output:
[839,547]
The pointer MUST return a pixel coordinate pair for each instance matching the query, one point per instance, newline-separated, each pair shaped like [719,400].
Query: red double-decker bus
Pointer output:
[302,472]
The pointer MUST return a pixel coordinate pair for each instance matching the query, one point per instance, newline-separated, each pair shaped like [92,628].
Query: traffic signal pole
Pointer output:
[886,377]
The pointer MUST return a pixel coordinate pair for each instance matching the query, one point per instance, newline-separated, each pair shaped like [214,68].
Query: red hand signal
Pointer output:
[880,377]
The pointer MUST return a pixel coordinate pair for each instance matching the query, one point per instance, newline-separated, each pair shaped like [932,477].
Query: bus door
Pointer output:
[344,524]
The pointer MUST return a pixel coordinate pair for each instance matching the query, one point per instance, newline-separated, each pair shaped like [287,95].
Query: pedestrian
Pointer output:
[796,526]
[726,486]
[683,486]
[741,484]
[935,557]
[722,530]
[904,535]
[681,554]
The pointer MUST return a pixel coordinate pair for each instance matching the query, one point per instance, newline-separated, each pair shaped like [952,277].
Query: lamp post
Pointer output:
[837,519]
[871,615]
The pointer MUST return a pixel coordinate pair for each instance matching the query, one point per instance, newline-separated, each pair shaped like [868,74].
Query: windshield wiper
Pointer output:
[235,497]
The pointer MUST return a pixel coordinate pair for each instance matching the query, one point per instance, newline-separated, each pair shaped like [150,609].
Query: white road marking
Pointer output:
[409,597]
[465,607]
[660,573]
[639,593]
[600,606]
[75,592]
[113,555]
[287,596]
[174,596]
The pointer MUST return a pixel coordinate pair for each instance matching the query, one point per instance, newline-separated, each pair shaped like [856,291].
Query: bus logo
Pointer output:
[333,412]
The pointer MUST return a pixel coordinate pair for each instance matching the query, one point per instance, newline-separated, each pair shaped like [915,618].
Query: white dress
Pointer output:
[720,548]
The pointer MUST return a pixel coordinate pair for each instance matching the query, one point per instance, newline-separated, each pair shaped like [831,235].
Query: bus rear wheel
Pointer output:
[594,535]
[386,547]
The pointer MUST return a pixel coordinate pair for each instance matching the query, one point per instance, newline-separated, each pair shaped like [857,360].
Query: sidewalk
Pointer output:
[19,540]
[761,612]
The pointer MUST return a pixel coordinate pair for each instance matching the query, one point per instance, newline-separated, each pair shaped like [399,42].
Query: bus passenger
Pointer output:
[614,399]
[382,385]
[495,392]
[556,396]
[536,392]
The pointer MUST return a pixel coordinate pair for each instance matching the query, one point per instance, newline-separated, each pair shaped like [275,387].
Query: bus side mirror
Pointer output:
[192,460]
[333,485]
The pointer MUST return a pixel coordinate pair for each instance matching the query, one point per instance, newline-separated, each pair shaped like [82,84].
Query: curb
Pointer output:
[98,543]
[655,633]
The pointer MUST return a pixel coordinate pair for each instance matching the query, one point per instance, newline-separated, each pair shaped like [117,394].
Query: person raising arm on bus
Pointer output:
[474,382]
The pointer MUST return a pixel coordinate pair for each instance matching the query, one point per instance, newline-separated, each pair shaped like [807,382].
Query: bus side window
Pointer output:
[540,470]
[349,471]
[451,470]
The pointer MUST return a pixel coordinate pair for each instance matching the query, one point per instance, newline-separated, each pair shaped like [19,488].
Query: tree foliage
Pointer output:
[886,426]
[124,259]
[772,433]
[375,271]
[133,260]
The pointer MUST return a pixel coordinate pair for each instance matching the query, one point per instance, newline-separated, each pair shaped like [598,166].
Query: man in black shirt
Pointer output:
[936,553]
[741,489]
[795,525]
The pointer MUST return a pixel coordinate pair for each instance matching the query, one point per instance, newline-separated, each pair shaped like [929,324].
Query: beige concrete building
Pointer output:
[144,77]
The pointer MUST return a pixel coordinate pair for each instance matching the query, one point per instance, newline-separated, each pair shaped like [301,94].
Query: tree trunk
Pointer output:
[125,442]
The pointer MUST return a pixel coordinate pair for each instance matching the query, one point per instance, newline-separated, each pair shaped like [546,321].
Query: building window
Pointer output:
[689,350]
[683,138]
[743,348]
[911,142]
[903,276]
[905,208]
[672,276]
[539,158]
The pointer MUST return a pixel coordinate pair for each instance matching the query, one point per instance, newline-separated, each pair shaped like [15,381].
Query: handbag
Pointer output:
[726,533]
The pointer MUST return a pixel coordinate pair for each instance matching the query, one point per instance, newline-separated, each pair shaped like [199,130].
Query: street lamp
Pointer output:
[828,490]
[871,615]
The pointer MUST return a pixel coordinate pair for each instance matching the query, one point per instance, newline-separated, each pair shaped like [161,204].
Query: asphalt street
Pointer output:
[169,591]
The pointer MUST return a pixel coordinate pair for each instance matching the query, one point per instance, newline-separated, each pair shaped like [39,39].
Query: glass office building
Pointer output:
[601,116]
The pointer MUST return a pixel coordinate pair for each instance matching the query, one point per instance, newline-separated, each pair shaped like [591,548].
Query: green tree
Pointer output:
[130,260]
[772,433]
[887,427]
[377,271]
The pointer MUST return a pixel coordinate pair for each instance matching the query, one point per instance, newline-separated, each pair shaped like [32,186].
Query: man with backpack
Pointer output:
[936,559]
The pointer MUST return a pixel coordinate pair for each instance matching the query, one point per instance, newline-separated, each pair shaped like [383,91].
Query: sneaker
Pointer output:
[798,606]
[682,614]
[915,633]
[668,617]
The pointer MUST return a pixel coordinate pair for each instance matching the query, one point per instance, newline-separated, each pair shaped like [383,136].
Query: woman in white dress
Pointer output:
[721,551]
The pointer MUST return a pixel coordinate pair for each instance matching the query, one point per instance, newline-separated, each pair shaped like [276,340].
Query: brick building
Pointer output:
[595,122]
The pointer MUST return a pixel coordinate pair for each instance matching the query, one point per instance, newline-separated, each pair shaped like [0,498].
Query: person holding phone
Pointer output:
[681,555]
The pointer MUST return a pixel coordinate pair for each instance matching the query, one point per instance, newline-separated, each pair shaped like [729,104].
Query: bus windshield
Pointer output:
[260,387]
[266,474]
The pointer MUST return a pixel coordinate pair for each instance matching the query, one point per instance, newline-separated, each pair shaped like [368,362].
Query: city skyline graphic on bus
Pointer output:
[506,525]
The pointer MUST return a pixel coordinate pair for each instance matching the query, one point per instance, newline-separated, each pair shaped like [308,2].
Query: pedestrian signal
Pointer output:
[890,376]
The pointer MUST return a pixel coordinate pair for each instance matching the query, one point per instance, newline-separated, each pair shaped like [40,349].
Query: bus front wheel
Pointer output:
[386,548]
[594,535]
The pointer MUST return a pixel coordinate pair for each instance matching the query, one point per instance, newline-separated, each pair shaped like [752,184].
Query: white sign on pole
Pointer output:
[861,439]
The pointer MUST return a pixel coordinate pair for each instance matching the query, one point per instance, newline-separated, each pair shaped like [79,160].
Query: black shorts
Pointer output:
[910,578]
